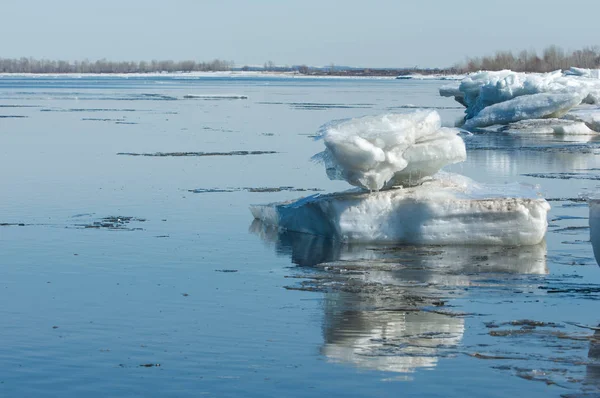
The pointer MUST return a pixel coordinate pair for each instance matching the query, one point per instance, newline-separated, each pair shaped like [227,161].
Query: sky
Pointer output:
[374,33]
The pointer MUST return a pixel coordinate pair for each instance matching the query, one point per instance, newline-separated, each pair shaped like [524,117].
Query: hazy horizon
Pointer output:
[381,34]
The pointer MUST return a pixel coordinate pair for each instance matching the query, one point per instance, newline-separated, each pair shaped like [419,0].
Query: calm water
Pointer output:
[110,261]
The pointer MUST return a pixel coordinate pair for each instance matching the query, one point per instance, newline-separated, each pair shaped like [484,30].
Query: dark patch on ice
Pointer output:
[564,176]
[226,270]
[318,106]
[115,223]
[13,117]
[423,107]
[152,96]
[12,224]
[95,119]
[19,106]
[177,154]
[259,190]
[88,110]
[220,130]
[123,122]
[209,97]
[572,229]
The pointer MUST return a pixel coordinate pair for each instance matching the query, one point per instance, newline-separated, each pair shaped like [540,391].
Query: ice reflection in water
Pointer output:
[385,307]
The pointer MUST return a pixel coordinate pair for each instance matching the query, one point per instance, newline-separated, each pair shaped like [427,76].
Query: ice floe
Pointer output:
[449,209]
[376,152]
[503,97]
[535,106]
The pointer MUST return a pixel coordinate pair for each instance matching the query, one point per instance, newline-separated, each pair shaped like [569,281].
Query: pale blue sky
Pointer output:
[378,33]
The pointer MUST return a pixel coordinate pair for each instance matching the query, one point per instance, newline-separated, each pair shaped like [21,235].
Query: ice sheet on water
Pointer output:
[376,152]
[449,209]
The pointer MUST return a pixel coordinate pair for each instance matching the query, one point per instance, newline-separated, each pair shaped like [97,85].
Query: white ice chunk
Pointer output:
[453,90]
[536,106]
[446,210]
[376,152]
[583,72]
[549,126]
[588,115]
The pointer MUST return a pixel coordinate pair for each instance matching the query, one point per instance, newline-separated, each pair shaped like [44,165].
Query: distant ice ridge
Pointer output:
[447,209]
[504,97]
[383,151]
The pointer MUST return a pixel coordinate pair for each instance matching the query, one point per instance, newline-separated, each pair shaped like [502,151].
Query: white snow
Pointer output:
[449,209]
[376,152]
[535,106]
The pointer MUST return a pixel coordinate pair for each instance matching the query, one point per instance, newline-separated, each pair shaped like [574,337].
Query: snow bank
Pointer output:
[447,210]
[376,152]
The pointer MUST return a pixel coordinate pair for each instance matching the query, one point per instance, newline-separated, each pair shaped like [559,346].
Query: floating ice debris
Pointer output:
[376,152]
[449,209]
[254,190]
[521,95]
[215,96]
[232,153]
[535,106]
[549,126]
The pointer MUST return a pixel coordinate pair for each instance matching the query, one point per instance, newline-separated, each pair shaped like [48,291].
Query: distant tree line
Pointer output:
[32,65]
[551,58]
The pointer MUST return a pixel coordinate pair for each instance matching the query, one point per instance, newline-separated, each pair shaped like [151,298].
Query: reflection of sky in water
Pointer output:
[232,332]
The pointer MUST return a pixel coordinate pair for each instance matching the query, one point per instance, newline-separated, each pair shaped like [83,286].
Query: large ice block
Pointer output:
[535,106]
[450,209]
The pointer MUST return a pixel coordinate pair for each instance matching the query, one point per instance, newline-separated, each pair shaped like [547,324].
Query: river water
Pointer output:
[130,264]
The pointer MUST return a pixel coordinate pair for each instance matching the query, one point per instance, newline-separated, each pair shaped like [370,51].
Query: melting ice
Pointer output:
[376,152]
[385,151]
